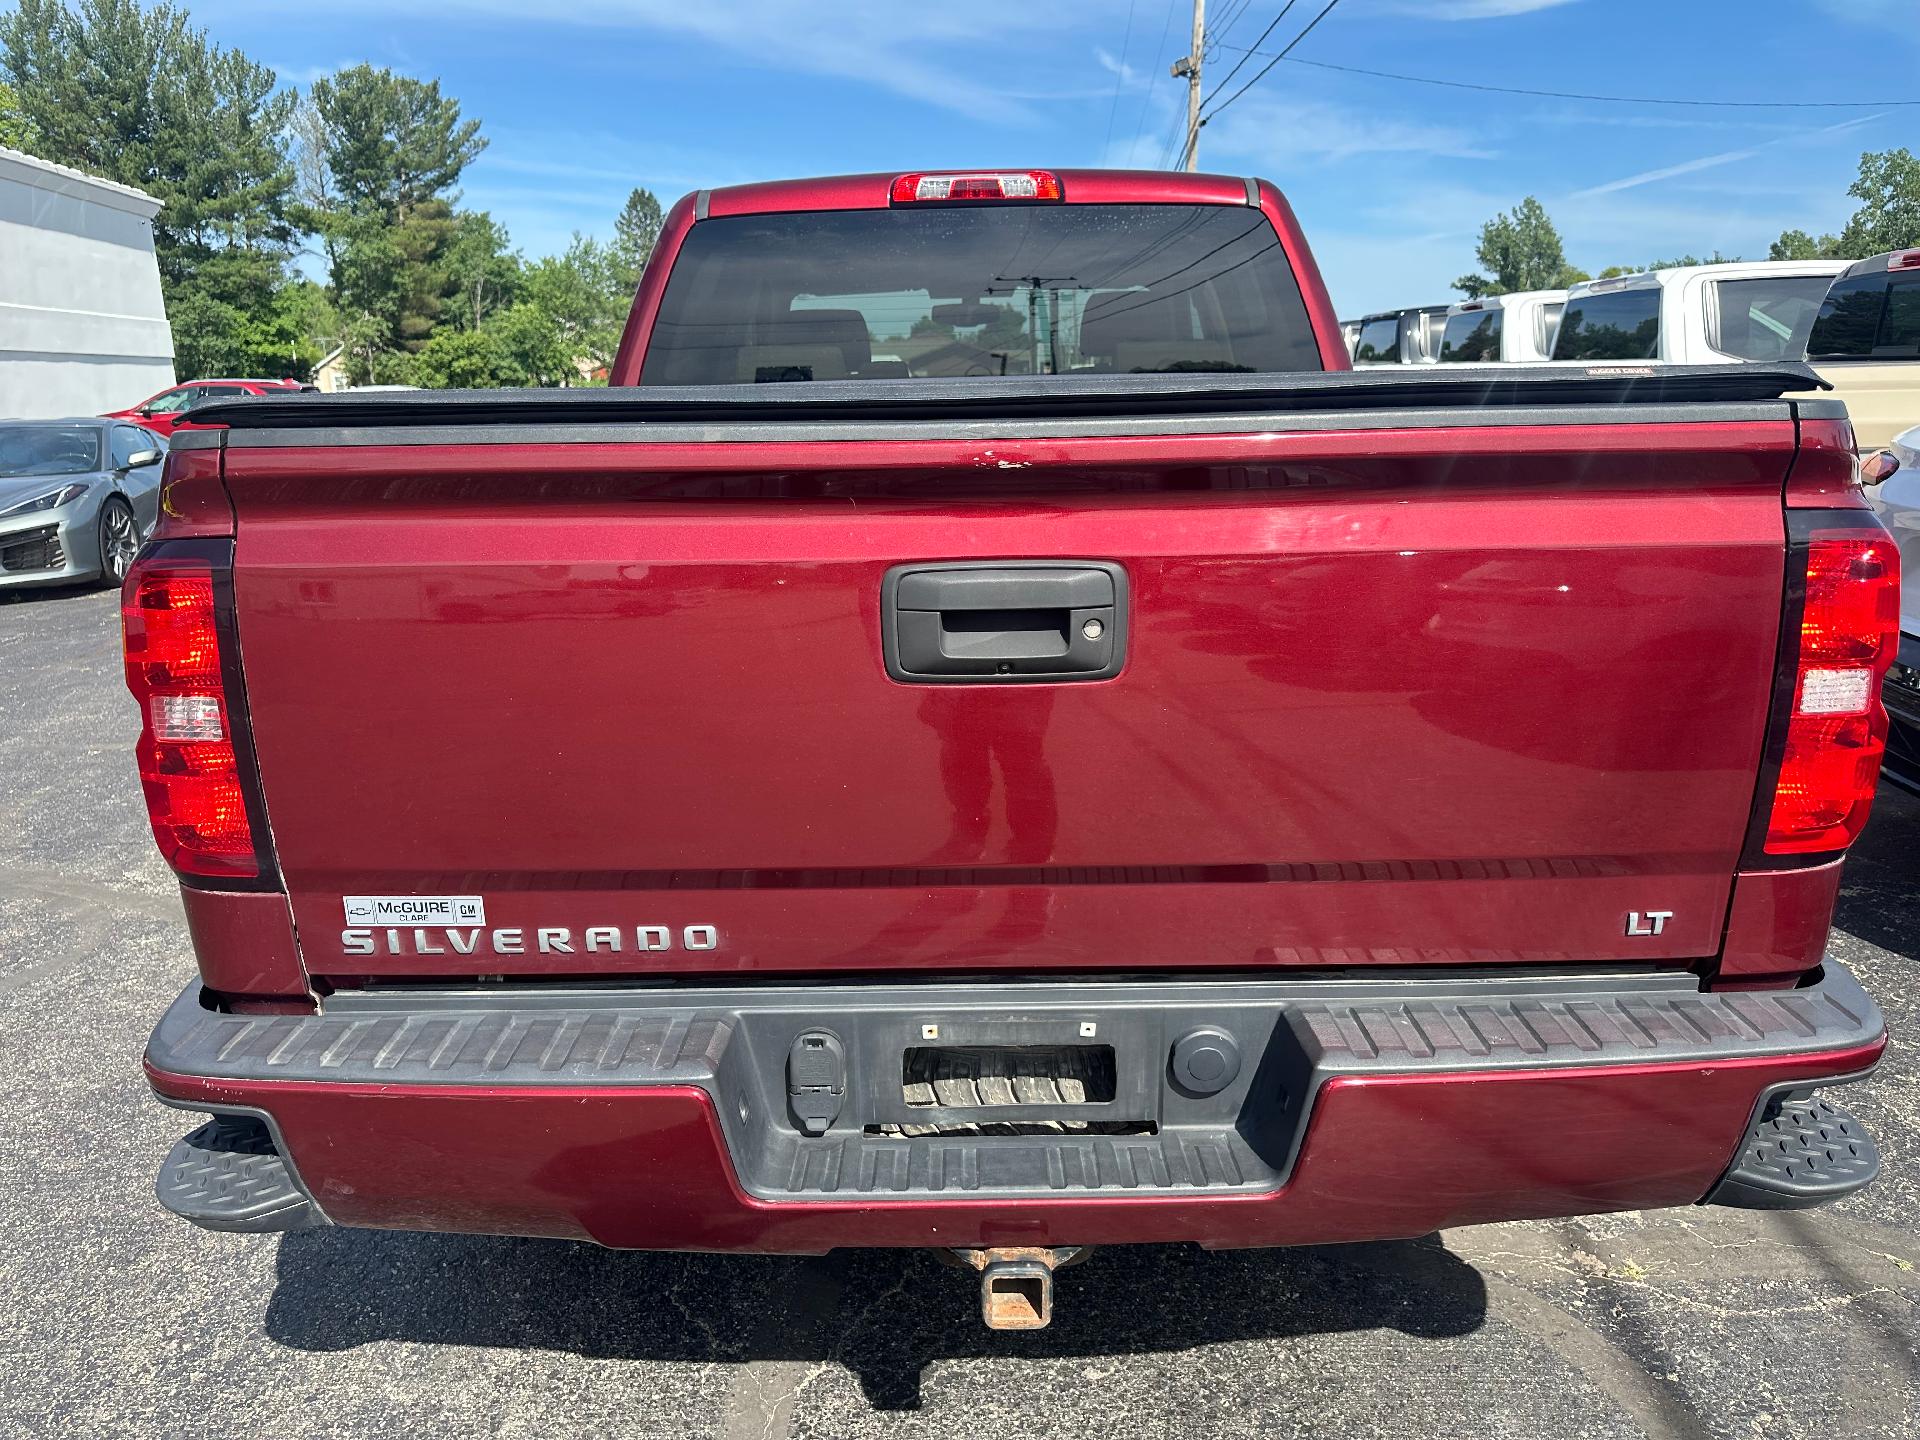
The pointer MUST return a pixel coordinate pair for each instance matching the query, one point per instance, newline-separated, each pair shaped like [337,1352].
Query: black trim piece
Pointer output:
[196,440]
[313,1215]
[1901,765]
[1253,193]
[490,432]
[1003,398]
[1820,409]
[1786,674]
[732,1043]
[1801,1150]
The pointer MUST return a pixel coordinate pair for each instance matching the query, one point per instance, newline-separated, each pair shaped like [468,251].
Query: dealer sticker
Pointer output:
[415,910]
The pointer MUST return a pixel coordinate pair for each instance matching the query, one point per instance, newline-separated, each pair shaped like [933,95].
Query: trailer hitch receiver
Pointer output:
[1016,1283]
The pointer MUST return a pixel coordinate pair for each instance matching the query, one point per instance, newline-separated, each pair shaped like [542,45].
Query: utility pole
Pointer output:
[1189,66]
[1041,290]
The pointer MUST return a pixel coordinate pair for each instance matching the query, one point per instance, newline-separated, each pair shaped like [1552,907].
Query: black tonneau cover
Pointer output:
[1054,396]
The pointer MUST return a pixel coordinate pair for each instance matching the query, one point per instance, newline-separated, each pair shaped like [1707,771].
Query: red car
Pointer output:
[161,413]
[990,735]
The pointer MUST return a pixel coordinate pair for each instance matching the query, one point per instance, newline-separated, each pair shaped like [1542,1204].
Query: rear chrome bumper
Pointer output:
[680,1119]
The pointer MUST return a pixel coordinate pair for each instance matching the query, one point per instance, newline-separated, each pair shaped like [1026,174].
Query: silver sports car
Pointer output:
[76,499]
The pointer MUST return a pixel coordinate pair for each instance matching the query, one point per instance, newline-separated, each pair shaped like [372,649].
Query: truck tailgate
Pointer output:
[1393,695]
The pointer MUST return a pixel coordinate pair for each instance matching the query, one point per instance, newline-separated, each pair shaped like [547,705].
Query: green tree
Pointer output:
[1799,245]
[393,142]
[585,294]
[1520,250]
[635,232]
[16,131]
[140,96]
[1888,189]
[461,360]
[381,157]
[485,272]
[305,313]
[1006,330]
[534,351]
[1682,261]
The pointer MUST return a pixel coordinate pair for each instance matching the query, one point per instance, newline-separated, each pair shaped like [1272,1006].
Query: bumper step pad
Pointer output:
[227,1175]
[1802,1151]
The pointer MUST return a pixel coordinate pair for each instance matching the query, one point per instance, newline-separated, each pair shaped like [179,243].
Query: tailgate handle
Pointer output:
[1001,622]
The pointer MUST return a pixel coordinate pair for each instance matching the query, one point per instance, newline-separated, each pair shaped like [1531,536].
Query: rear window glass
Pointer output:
[986,290]
[1766,318]
[1613,325]
[1868,316]
[1471,335]
[1379,341]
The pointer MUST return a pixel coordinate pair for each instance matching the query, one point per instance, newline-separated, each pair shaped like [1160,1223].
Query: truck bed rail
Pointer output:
[1469,387]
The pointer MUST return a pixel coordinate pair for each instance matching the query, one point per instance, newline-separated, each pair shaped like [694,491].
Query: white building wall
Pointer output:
[82,326]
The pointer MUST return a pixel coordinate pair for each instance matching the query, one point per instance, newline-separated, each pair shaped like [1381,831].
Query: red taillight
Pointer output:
[929,189]
[1837,729]
[189,765]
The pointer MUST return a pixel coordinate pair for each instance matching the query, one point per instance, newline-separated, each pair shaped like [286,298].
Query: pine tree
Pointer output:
[635,233]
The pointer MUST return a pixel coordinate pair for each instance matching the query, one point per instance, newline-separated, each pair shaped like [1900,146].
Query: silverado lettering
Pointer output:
[1220,819]
[557,939]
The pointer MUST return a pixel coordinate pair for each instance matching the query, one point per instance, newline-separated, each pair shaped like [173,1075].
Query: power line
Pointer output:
[1119,74]
[1176,139]
[1255,49]
[1274,61]
[1578,95]
[1146,100]
[1227,22]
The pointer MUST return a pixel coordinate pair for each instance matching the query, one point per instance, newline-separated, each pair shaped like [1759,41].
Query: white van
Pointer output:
[1400,337]
[1697,314]
[1517,328]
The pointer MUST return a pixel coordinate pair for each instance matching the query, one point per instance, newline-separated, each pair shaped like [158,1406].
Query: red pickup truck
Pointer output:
[989,735]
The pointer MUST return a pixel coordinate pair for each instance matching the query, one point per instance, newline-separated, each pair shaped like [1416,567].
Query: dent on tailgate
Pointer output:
[1390,696]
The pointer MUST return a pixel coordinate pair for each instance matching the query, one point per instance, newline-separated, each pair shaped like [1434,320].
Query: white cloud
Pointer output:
[304,75]
[1668,172]
[1897,14]
[1114,65]
[1724,157]
[929,53]
[1279,132]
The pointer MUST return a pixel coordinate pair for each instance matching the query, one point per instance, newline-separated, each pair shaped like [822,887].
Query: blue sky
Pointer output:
[585,98]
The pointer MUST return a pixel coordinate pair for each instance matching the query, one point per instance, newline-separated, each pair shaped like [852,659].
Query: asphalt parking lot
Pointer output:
[114,1319]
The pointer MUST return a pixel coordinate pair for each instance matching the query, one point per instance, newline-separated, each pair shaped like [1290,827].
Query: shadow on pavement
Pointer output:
[884,1315]
[48,594]
[1880,885]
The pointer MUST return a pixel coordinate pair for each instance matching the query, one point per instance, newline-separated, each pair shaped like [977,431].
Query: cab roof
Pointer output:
[1082,187]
